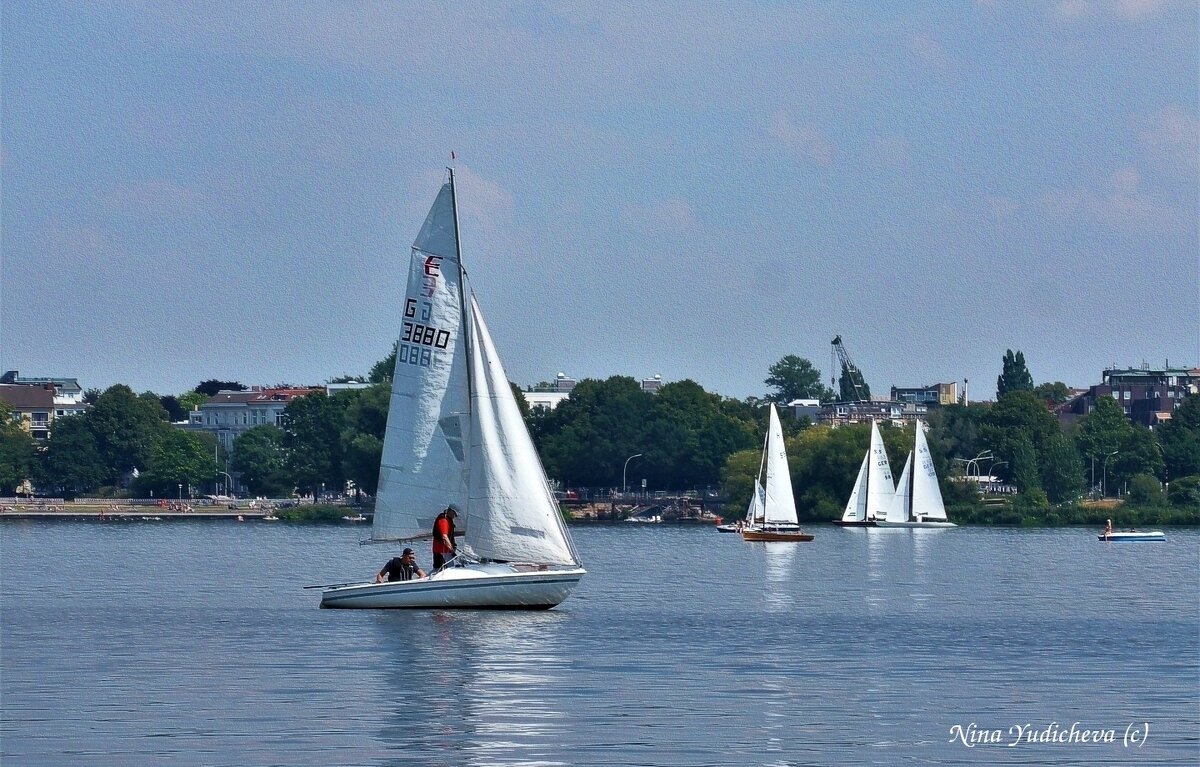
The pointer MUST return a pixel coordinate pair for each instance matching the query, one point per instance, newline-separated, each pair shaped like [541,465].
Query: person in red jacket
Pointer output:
[444,545]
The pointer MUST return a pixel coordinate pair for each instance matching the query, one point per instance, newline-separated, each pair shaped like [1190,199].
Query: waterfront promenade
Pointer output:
[134,509]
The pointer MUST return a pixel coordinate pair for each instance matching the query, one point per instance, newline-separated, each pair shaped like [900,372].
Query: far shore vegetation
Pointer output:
[684,438]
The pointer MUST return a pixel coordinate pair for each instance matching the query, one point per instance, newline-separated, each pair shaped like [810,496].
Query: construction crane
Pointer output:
[856,386]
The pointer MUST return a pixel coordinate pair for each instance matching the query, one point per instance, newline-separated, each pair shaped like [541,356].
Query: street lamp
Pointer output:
[1104,474]
[228,484]
[627,460]
[181,491]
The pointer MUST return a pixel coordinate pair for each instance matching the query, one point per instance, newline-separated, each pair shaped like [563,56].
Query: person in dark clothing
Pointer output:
[401,568]
[444,545]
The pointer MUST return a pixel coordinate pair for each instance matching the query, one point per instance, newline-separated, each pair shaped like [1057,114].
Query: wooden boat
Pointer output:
[761,534]
[773,513]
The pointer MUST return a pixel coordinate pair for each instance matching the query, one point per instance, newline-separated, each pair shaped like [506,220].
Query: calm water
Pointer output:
[193,643]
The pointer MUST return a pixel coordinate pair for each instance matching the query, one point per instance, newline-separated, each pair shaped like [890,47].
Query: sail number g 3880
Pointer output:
[425,335]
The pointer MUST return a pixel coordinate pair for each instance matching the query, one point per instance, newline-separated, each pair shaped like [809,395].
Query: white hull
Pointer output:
[1149,535]
[498,586]
[913,523]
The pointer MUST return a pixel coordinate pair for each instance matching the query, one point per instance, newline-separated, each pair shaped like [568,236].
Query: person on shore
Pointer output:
[444,544]
[401,568]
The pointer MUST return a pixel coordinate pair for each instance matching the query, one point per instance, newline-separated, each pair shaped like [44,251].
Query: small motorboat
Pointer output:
[1133,535]
[729,528]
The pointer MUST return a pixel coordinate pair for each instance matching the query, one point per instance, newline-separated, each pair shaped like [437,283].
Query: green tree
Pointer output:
[1180,439]
[384,369]
[212,386]
[688,436]
[1145,489]
[585,441]
[17,452]
[127,430]
[1061,469]
[1023,457]
[794,378]
[261,460]
[1101,434]
[363,431]
[180,458]
[312,427]
[72,461]
[1018,416]
[1053,393]
[847,389]
[192,400]
[1184,493]
[1138,454]
[1015,376]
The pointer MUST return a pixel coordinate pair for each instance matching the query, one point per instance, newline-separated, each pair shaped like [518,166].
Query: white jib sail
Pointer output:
[754,512]
[900,509]
[511,513]
[927,496]
[879,482]
[422,469]
[856,507]
[780,504]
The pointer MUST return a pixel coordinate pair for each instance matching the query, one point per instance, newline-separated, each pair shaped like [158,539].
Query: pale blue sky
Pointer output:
[230,190]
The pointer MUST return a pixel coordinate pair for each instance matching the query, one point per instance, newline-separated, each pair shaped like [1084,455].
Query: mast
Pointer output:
[463,321]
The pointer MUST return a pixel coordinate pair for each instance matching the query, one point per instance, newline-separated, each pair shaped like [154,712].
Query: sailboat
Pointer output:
[873,490]
[455,437]
[918,499]
[753,512]
[778,520]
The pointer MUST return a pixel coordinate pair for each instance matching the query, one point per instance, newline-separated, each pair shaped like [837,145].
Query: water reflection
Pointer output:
[780,561]
[474,687]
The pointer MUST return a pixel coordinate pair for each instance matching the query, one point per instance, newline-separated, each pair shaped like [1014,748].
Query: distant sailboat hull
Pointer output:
[913,523]
[476,586]
[854,523]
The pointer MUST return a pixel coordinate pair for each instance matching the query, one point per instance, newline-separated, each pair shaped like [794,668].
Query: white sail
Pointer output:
[511,513]
[422,469]
[754,510]
[780,503]
[900,509]
[856,507]
[879,481]
[926,495]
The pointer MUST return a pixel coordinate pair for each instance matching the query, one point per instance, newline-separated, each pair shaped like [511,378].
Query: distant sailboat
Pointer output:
[753,512]
[456,437]
[778,521]
[918,499]
[873,490]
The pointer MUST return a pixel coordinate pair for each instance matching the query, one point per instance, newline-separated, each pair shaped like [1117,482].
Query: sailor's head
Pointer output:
[407,554]
[451,511]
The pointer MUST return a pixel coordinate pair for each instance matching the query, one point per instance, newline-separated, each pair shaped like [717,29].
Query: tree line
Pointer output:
[611,432]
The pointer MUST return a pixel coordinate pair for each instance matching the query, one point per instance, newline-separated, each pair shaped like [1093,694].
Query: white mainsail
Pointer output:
[455,434]
[423,466]
[780,506]
[873,491]
[900,509]
[879,483]
[926,495]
